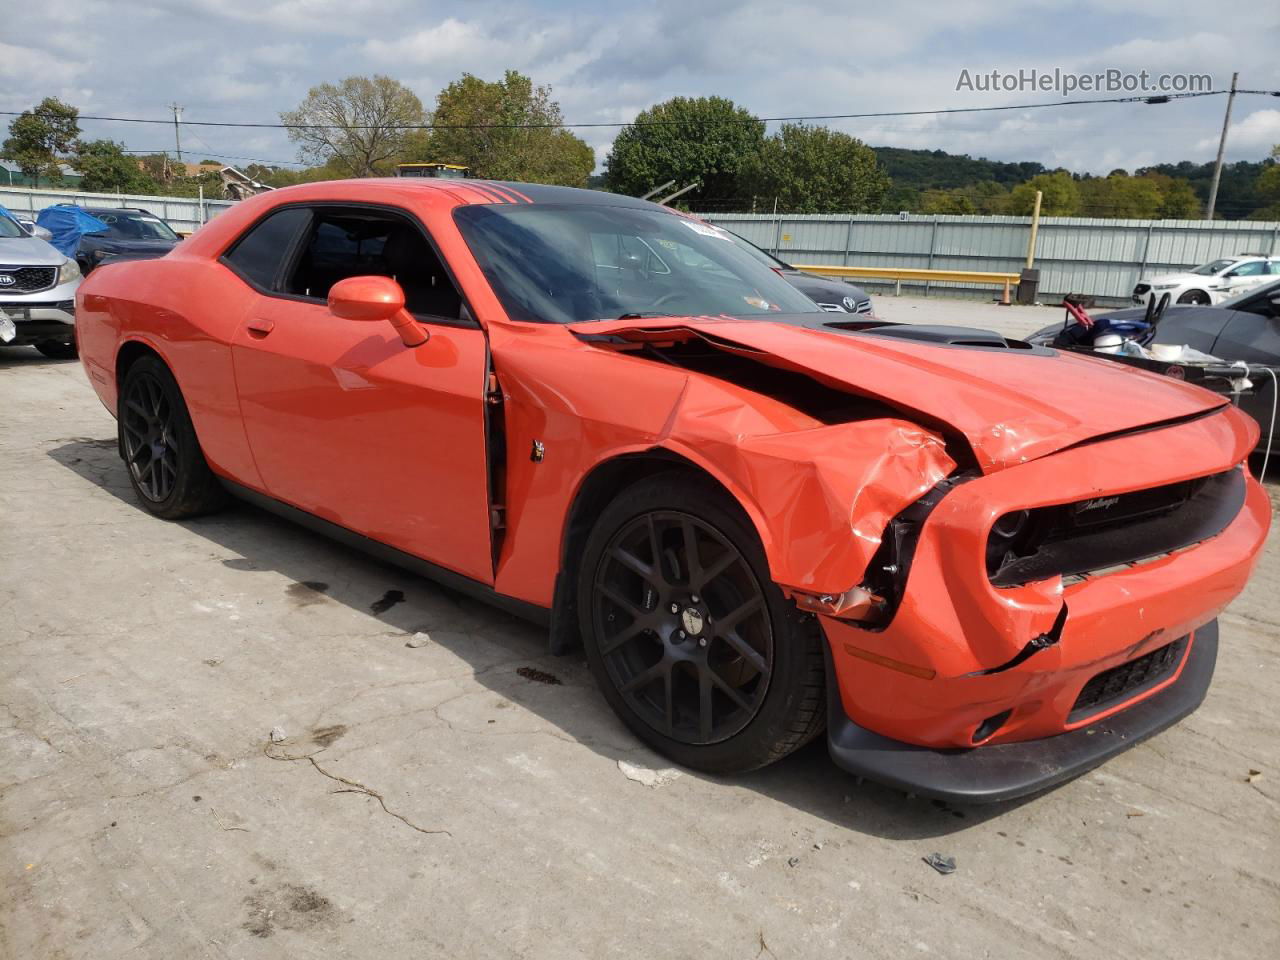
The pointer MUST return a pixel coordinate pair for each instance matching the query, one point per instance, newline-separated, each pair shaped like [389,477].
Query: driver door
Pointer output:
[349,424]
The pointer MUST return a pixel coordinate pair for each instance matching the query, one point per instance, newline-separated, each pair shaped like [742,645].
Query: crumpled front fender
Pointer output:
[821,498]
[819,495]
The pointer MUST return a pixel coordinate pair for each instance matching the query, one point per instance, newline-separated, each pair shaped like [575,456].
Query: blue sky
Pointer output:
[250,59]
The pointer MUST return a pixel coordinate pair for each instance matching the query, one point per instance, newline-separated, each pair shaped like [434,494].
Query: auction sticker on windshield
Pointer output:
[705,229]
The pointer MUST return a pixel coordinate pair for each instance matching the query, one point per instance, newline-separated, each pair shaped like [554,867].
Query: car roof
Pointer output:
[460,191]
[214,237]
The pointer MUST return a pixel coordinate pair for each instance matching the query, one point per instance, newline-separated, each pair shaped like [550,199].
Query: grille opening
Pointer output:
[1127,680]
[27,279]
[1113,531]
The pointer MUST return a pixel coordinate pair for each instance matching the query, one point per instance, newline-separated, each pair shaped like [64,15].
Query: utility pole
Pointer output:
[1035,231]
[177,137]
[1222,146]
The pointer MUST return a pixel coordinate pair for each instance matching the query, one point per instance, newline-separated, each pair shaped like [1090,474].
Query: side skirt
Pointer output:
[375,548]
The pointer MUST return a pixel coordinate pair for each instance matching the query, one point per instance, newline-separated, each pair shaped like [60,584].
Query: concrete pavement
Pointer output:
[474,797]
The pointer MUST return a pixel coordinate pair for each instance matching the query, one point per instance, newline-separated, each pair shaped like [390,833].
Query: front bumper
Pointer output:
[949,661]
[38,321]
[1006,771]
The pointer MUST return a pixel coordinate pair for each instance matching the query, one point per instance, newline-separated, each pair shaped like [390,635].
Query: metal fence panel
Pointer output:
[184,214]
[1100,258]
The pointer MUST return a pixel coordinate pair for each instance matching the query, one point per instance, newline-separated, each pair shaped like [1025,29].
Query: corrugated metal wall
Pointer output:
[184,214]
[1101,258]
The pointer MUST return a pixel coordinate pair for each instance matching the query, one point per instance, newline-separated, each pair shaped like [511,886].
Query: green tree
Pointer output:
[104,166]
[38,138]
[946,201]
[817,170]
[1178,200]
[506,130]
[1061,196]
[707,139]
[1268,190]
[1119,196]
[900,197]
[987,198]
[359,124]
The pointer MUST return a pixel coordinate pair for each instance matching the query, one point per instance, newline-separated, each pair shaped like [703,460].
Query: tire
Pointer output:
[166,466]
[744,684]
[1194,297]
[58,350]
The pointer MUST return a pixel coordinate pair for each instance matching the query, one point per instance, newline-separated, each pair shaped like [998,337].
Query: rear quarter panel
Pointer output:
[185,309]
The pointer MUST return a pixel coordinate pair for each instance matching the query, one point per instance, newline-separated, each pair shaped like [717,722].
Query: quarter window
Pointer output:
[259,254]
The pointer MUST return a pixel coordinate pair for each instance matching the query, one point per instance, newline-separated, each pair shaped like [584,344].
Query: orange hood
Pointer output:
[1011,405]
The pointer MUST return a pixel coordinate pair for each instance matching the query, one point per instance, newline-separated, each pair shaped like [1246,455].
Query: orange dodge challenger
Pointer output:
[982,566]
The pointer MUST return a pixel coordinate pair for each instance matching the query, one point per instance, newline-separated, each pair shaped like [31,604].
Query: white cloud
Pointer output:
[1258,132]
[250,59]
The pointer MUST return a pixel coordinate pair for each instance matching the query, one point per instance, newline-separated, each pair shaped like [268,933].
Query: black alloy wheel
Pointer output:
[157,440]
[683,626]
[692,644]
[151,443]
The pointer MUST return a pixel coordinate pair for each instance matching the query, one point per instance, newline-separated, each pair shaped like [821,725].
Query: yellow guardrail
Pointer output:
[920,274]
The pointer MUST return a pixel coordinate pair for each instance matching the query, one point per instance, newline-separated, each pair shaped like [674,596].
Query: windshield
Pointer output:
[129,225]
[1213,267]
[1268,290]
[573,263]
[768,259]
[10,228]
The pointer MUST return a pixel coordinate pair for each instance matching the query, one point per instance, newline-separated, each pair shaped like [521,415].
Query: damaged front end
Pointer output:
[1071,638]
[989,570]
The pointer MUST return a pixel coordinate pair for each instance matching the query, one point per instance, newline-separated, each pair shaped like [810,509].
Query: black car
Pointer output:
[131,232]
[1245,327]
[834,296]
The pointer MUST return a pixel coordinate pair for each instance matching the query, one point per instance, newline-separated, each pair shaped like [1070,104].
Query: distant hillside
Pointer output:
[915,171]
[1238,194]
[939,170]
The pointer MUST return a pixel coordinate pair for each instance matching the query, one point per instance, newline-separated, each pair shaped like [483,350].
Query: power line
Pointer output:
[1153,99]
[224,156]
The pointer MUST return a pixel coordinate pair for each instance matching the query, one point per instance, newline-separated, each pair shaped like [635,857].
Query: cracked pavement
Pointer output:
[431,801]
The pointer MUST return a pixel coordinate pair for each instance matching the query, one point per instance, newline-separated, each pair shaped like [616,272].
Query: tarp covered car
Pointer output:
[68,223]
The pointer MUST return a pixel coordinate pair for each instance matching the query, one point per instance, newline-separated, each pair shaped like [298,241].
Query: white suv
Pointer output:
[1212,282]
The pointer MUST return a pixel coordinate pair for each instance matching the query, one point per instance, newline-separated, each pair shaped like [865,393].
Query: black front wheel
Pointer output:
[158,442]
[1197,298]
[693,645]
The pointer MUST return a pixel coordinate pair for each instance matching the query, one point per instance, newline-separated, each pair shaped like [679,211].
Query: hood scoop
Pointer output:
[946,336]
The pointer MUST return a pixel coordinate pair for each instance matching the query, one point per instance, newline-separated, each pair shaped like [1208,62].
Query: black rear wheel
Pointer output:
[158,442]
[693,646]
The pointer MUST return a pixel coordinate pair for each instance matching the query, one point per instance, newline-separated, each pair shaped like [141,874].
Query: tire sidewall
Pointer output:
[190,459]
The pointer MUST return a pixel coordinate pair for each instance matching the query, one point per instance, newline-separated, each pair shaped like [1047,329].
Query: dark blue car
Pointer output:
[132,233]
